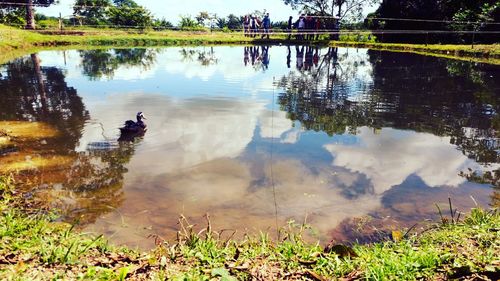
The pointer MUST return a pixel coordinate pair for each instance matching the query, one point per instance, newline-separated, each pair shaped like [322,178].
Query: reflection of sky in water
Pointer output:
[212,132]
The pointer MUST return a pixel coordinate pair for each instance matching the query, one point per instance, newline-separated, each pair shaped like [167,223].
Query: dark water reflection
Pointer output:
[248,133]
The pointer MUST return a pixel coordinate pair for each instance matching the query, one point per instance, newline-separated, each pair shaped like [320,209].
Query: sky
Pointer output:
[171,10]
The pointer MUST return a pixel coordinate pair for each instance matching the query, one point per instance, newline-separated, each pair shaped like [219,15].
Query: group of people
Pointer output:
[253,25]
[308,27]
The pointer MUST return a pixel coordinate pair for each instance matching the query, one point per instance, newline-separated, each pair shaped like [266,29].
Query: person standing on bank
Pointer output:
[246,25]
[289,27]
[301,25]
[266,23]
[253,26]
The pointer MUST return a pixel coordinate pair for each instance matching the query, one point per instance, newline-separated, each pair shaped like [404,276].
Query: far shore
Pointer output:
[16,42]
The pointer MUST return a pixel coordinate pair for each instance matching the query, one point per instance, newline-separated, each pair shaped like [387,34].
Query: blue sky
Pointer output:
[171,10]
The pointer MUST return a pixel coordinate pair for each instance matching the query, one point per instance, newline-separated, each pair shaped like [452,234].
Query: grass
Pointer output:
[33,245]
[15,42]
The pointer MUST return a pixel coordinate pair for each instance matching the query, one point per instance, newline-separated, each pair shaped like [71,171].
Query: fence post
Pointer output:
[60,22]
[473,38]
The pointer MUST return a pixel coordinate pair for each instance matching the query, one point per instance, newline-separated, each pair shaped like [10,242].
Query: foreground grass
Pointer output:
[15,42]
[33,246]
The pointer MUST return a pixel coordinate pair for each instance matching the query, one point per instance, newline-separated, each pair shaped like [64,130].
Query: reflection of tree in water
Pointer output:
[95,179]
[203,56]
[103,63]
[31,92]
[442,97]
[92,182]
[414,92]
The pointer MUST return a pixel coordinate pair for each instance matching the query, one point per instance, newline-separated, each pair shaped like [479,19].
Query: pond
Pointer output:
[355,142]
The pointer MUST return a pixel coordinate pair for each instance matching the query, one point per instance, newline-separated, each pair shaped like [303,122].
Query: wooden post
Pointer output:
[30,15]
[60,22]
[473,38]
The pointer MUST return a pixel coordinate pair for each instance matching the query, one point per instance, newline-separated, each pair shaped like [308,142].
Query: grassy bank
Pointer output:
[34,246]
[15,41]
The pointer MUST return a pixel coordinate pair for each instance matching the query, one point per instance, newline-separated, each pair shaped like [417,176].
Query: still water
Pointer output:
[350,139]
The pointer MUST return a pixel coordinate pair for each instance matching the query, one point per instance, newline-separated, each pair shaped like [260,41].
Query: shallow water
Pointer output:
[256,136]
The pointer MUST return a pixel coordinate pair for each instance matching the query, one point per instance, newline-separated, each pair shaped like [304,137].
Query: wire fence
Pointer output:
[71,23]
[274,31]
[6,4]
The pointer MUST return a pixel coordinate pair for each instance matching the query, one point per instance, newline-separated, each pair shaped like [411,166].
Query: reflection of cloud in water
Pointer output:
[224,188]
[388,158]
[277,125]
[129,73]
[228,66]
[192,161]
[184,133]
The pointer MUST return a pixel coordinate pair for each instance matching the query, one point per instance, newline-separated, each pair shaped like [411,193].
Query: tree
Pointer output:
[340,8]
[161,24]
[91,12]
[129,14]
[12,16]
[188,23]
[234,22]
[202,18]
[28,6]
[456,15]
[221,23]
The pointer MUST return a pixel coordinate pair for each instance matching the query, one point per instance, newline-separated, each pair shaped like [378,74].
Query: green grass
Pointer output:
[15,42]
[34,246]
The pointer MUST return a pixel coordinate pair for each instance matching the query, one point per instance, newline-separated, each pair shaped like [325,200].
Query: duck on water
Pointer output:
[133,129]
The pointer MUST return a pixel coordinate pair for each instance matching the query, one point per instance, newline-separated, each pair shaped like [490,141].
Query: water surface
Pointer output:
[256,136]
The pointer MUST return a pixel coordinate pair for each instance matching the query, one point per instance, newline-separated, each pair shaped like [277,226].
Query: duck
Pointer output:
[133,129]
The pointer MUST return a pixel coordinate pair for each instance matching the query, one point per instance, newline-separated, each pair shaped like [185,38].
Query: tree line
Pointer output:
[459,21]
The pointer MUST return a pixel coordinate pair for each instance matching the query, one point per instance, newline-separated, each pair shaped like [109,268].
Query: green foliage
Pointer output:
[162,24]
[27,10]
[467,16]
[231,22]
[120,13]
[188,23]
[128,13]
[91,12]
[345,9]
[48,23]
[15,17]
[204,19]
[234,22]
[221,23]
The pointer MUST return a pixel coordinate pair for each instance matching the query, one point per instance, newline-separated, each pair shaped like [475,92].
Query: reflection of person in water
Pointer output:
[316,57]
[309,58]
[254,54]
[265,57]
[288,57]
[300,56]
[245,55]
[289,27]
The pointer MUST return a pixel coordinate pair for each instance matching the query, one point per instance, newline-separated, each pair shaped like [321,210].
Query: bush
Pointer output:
[48,24]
